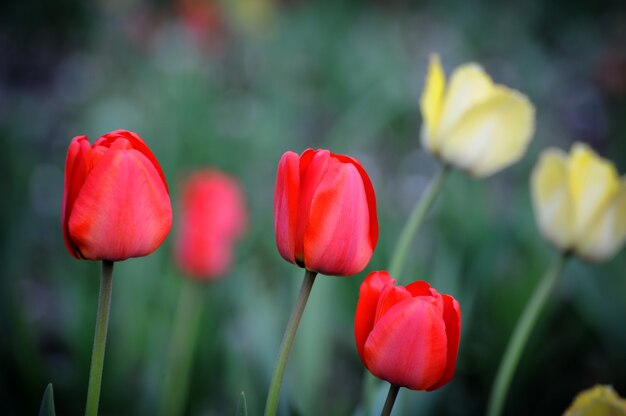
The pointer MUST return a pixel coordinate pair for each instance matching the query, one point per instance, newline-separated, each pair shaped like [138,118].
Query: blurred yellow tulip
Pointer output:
[580,202]
[597,401]
[474,124]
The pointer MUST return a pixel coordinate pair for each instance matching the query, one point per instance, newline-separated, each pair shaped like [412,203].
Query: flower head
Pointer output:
[116,204]
[580,202]
[472,123]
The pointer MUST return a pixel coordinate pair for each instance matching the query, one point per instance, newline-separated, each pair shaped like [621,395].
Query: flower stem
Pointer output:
[520,335]
[413,223]
[271,405]
[182,347]
[100,338]
[391,399]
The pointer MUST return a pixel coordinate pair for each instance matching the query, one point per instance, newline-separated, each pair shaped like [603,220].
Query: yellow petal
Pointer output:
[606,233]
[597,401]
[469,85]
[552,202]
[593,182]
[492,134]
[430,102]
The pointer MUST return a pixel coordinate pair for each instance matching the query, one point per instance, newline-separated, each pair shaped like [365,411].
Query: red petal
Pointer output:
[286,196]
[337,236]
[370,194]
[123,209]
[137,143]
[389,297]
[452,319]
[313,167]
[77,166]
[369,294]
[212,217]
[407,346]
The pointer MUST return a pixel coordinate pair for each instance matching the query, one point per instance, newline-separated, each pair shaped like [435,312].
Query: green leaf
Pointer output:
[47,402]
[242,407]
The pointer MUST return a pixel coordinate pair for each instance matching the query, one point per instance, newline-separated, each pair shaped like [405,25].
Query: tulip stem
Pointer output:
[271,405]
[99,339]
[182,346]
[520,335]
[391,399]
[413,223]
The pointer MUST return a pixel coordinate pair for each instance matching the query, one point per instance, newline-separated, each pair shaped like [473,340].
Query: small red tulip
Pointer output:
[325,212]
[212,216]
[116,203]
[409,335]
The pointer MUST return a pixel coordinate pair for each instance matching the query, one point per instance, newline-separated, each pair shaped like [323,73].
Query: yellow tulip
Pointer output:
[580,202]
[597,401]
[474,124]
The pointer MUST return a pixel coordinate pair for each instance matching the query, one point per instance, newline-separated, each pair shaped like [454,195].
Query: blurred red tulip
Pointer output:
[212,216]
[325,212]
[408,336]
[116,204]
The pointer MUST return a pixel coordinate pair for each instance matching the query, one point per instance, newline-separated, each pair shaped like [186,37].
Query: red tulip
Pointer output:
[116,203]
[409,335]
[325,212]
[212,217]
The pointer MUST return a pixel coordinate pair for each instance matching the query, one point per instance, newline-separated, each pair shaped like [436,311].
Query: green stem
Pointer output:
[182,346]
[99,339]
[520,335]
[271,405]
[413,223]
[391,399]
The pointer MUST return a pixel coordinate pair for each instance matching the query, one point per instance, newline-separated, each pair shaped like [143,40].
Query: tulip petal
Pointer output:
[431,102]
[286,197]
[452,319]
[389,297]
[137,143]
[332,244]
[492,134]
[370,195]
[123,210]
[408,346]
[606,234]
[552,201]
[364,317]
[593,182]
[313,167]
[469,86]
[77,166]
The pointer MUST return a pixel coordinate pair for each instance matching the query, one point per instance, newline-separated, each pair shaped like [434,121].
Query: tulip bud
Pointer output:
[212,217]
[325,212]
[408,336]
[580,202]
[116,204]
[597,401]
[474,124]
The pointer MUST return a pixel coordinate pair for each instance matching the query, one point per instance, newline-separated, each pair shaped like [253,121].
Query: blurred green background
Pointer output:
[234,84]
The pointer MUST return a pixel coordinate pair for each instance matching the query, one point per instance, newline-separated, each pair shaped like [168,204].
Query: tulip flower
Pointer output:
[325,212]
[597,401]
[116,203]
[472,123]
[580,202]
[325,221]
[580,206]
[408,336]
[212,217]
